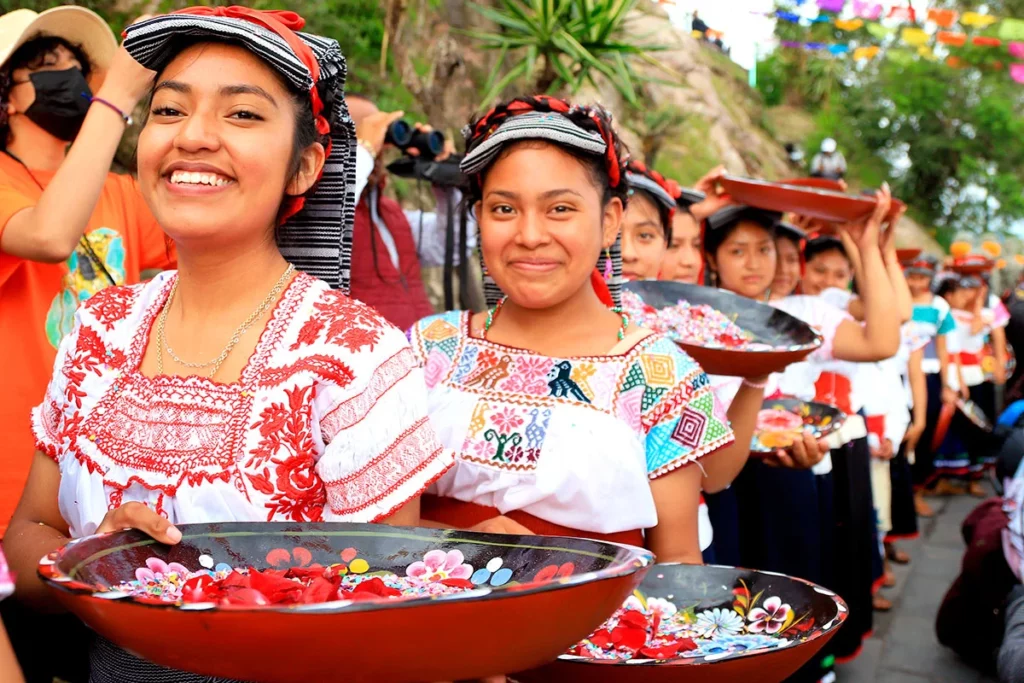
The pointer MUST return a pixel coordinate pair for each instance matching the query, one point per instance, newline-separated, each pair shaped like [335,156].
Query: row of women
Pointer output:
[246,386]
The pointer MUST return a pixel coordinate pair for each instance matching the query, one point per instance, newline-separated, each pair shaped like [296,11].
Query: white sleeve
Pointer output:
[381,451]
[364,167]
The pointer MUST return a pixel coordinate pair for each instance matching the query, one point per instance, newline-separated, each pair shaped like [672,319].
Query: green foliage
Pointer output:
[655,126]
[561,44]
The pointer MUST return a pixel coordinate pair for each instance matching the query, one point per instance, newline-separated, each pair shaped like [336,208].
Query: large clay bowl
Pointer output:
[790,339]
[805,199]
[531,620]
[820,611]
[820,419]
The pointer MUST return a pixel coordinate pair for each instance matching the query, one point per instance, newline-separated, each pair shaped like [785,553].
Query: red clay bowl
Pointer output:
[790,339]
[817,614]
[533,611]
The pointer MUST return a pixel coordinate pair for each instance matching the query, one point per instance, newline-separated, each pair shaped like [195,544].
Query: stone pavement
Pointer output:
[904,648]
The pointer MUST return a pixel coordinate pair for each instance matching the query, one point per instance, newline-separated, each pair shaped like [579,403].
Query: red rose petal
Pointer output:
[315,571]
[278,557]
[661,651]
[456,583]
[375,586]
[602,638]
[245,597]
[276,589]
[320,590]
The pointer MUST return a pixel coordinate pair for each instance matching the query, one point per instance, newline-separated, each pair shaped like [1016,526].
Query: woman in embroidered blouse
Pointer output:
[565,416]
[316,409]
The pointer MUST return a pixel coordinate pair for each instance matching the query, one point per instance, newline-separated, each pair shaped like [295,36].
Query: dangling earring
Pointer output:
[714,278]
[607,265]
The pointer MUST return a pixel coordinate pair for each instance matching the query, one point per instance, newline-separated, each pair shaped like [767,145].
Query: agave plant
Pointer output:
[562,44]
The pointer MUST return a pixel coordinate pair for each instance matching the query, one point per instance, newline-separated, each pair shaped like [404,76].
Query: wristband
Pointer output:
[754,385]
[124,117]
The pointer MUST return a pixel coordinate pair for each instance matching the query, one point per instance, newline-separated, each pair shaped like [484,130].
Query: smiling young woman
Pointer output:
[648,222]
[566,418]
[236,389]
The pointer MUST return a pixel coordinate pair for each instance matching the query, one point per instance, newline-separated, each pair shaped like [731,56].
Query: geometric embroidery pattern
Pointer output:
[690,428]
[659,369]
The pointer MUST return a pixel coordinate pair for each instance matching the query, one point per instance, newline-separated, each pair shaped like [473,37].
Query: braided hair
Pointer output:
[608,171]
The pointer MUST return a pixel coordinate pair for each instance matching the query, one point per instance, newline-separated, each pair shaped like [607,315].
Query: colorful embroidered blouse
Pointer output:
[573,441]
[328,421]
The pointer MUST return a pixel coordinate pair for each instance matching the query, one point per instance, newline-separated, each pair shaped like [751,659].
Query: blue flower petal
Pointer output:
[480,576]
[501,577]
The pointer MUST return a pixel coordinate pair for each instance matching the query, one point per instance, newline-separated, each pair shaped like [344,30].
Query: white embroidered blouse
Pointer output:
[328,421]
[573,441]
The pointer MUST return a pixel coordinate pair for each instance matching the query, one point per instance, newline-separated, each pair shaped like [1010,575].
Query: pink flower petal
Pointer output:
[774,626]
[142,574]
[756,627]
[453,559]
[757,614]
[435,559]
[156,565]
[463,571]
[772,604]
[416,570]
[180,569]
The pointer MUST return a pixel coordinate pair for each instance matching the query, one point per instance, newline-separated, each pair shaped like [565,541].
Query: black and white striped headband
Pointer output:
[638,181]
[318,239]
[534,125]
[688,197]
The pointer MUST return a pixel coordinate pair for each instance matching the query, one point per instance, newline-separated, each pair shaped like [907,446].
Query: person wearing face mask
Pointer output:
[68,227]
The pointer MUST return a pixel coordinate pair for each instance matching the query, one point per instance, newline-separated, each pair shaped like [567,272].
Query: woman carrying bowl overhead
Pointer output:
[237,388]
[565,416]
[740,247]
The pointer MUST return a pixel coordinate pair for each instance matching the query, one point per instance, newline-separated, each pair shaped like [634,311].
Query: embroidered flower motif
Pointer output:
[493,573]
[528,376]
[437,566]
[157,570]
[769,618]
[486,358]
[485,449]
[507,420]
[714,622]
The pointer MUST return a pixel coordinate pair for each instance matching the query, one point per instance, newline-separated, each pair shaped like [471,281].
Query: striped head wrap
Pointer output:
[316,230]
[926,264]
[664,192]
[554,120]
[688,197]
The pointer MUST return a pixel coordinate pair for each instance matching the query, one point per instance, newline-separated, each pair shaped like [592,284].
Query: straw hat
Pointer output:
[77,25]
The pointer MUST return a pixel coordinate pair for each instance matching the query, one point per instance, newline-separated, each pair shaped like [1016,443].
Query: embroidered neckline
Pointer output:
[465,329]
[277,324]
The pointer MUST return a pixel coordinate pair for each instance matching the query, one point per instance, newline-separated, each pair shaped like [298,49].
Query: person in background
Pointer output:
[697,25]
[684,259]
[829,162]
[68,227]
[647,223]
[789,268]
[385,268]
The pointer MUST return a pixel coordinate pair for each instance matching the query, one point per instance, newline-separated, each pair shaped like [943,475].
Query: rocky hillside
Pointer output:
[726,121]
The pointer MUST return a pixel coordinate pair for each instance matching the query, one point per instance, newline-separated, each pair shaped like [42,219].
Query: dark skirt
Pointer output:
[923,469]
[856,544]
[111,664]
[724,515]
[904,516]
[967,448]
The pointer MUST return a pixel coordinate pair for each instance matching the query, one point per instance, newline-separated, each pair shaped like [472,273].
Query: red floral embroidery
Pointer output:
[348,323]
[111,305]
[295,489]
[326,368]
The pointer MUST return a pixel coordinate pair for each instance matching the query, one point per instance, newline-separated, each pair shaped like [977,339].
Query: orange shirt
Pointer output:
[38,301]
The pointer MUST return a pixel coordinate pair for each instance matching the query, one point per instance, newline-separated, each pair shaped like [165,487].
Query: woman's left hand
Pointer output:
[805,453]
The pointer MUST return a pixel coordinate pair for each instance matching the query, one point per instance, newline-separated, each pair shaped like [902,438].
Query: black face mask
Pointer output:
[62,100]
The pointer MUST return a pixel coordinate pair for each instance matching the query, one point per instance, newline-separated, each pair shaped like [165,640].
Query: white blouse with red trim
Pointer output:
[328,421]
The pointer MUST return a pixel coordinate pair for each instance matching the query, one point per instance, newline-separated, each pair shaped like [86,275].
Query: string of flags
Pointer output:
[945,27]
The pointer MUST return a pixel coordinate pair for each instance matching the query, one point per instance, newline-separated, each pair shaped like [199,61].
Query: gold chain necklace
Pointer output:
[161,338]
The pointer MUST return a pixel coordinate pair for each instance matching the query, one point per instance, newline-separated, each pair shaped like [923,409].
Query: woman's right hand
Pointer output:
[374,128]
[126,82]
[501,525]
[138,516]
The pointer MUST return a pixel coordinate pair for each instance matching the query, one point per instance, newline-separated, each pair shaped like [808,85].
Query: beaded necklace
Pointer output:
[493,313]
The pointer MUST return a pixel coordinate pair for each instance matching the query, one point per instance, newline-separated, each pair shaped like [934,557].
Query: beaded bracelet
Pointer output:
[754,385]
[124,117]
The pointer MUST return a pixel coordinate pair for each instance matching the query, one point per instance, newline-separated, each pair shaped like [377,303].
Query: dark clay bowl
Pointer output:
[531,618]
[817,614]
[791,339]
[820,419]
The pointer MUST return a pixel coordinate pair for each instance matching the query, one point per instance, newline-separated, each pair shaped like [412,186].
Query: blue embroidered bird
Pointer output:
[562,385]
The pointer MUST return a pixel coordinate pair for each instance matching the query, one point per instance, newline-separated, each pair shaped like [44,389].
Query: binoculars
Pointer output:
[404,136]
